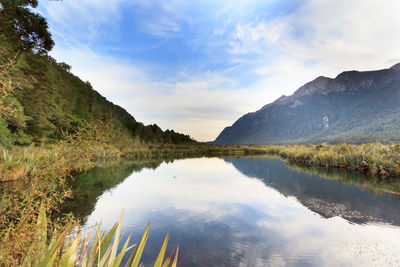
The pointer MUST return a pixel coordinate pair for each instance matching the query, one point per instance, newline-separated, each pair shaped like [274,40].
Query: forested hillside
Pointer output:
[41,100]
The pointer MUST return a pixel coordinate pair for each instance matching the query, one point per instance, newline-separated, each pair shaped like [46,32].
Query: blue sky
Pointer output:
[197,66]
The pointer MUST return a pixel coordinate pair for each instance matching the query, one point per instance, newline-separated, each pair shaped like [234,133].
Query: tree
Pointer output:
[64,66]
[16,17]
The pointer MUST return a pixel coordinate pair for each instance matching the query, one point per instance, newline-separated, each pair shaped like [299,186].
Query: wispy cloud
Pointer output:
[257,38]
[80,21]
[199,104]
[332,35]
[160,18]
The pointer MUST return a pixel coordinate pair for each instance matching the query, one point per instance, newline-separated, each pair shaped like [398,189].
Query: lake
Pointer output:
[245,211]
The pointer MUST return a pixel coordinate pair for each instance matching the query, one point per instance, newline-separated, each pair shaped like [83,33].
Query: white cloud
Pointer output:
[256,38]
[350,34]
[325,38]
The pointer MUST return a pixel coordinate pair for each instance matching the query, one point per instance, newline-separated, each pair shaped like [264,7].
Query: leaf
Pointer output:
[68,259]
[176,257]
[116,240]
[160,257]
[168,260]
[95,248]
[42,228]
[134,259]
[52,250]
[106,240]
[117,261]
[105,258]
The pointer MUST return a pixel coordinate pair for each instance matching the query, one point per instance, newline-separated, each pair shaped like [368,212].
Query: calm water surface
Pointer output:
[243,212]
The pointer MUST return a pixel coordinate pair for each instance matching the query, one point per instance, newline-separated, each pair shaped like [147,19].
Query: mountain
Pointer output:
[354,107]
[49,101]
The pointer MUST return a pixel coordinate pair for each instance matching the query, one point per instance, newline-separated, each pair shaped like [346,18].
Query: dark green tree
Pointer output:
[17,19]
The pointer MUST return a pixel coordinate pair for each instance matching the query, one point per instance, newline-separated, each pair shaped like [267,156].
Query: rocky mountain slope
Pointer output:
[354,107]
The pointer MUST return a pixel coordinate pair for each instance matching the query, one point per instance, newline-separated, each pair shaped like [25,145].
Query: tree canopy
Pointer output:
[17,18]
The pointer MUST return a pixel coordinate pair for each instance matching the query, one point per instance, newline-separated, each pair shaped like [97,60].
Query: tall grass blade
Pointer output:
[106,240]
[116,240]
[176,257]
[70,256]
[42,229]
[168,260]
[105,257]
[134,259]
[52,250]
[95,247]
[160,257]
[117,261]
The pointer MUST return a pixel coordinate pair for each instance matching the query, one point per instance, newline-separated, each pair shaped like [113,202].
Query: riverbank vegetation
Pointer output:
[390,185]
[374,159]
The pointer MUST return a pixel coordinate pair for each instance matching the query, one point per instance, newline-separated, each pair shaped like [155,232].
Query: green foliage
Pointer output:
[5,134]
[17,19]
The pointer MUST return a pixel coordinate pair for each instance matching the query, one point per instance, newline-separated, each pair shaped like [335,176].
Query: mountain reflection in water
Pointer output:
[243,211]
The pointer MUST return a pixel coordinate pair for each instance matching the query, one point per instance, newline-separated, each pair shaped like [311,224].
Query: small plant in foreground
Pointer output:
[88,252]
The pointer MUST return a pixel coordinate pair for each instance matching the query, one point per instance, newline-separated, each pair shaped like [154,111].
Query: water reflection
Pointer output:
[328,198]
[87,187]
[246,212]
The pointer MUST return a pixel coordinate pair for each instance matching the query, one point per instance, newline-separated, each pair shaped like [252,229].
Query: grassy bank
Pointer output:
[389,186]
[374,159]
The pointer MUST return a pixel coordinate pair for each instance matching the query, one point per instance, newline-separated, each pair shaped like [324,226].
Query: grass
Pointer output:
[375,159]
[389,185]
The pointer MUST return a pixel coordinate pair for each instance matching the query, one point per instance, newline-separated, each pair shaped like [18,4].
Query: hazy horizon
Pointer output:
[197,67]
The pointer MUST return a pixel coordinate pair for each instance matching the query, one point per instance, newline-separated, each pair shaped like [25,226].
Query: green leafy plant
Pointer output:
[101,250]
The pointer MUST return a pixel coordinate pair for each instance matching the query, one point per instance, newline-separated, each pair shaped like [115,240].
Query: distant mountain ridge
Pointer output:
[353,107]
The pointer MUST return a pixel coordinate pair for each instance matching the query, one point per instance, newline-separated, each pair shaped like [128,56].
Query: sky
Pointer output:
[197,66]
